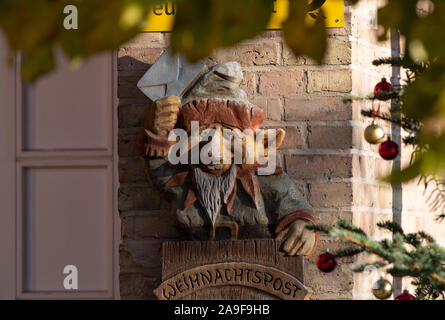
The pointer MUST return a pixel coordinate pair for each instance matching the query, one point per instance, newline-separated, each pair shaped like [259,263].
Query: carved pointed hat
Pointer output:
[217,98]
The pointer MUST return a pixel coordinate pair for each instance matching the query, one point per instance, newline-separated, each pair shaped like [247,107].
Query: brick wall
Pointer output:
[375,201]
[324,151]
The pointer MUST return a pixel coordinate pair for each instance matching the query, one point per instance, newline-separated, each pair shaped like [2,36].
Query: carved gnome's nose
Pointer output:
[212,151]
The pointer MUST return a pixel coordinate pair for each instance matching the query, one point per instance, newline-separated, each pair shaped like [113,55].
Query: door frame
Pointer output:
[7,174]
[12,162]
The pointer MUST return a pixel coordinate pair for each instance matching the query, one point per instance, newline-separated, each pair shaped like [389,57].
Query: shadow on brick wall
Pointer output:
[146,219]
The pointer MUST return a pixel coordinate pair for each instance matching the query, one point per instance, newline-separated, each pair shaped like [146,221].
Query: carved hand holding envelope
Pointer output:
[213,194]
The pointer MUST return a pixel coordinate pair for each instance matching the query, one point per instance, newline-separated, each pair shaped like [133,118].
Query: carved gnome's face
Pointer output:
[217,154]
[226,134]
[222,153]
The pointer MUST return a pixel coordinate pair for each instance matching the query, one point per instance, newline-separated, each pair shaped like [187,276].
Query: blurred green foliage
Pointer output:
[203,25]
[421,24]
[35,27]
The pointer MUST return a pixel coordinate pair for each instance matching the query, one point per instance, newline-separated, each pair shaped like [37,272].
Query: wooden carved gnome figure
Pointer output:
[203,146]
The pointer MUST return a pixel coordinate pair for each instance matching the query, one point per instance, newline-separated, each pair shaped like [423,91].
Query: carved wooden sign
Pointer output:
[231,269]
[263,278]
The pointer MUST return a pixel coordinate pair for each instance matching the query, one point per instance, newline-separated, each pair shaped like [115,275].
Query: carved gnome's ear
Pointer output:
[271,139]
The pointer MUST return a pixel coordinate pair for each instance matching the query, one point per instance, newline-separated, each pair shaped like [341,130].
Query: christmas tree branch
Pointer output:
[369,246]
[407,124]
[348,252]
[404,62]
[375,250]
[415,255]
[366,266]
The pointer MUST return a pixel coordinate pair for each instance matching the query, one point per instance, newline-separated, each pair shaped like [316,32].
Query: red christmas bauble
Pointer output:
[382,89]
[389,150]
[404,296]
[326,262]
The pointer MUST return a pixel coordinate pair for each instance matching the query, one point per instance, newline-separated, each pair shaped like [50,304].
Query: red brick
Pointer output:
[271,106]
[281,82]
[385,196]
[137,286]
[132,115]
[148,40]
[251,54]
[373,195]
[290,59]
[329,81]
[330,218]
[364,167]
[330,137]
[369,197]
[368,222]
[338,194]
[138,197]
[415,198]
[157,225]
[338,52]
[127,145]
[141,255]
[127,88]
[382,168]
[361,29]
[356,168]
[131,59]
[317,109]
[249,83]
[293,138]
[131,170]
[318,166]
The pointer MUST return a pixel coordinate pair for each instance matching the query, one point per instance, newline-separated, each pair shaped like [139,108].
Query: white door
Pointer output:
[58,181]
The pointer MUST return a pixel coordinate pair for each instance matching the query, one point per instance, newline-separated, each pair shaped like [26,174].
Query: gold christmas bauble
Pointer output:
[382,289]
[374,133]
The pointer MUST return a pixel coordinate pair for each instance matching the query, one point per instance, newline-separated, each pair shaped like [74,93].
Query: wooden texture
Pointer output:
[182,260]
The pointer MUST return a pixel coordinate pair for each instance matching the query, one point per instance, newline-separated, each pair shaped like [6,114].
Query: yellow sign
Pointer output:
[162,16]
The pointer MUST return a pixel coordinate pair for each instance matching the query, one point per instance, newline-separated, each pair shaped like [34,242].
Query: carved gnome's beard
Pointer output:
[213,191]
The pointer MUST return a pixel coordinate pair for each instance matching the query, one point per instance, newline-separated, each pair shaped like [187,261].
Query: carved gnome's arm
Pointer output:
[292,213]
[153,144]
[161,119]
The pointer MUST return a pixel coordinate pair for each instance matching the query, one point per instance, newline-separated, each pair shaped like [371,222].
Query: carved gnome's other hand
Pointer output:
[297,239]
[162,115]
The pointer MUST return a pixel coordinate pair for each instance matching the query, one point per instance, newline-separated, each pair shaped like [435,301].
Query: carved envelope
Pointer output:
[170,76]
